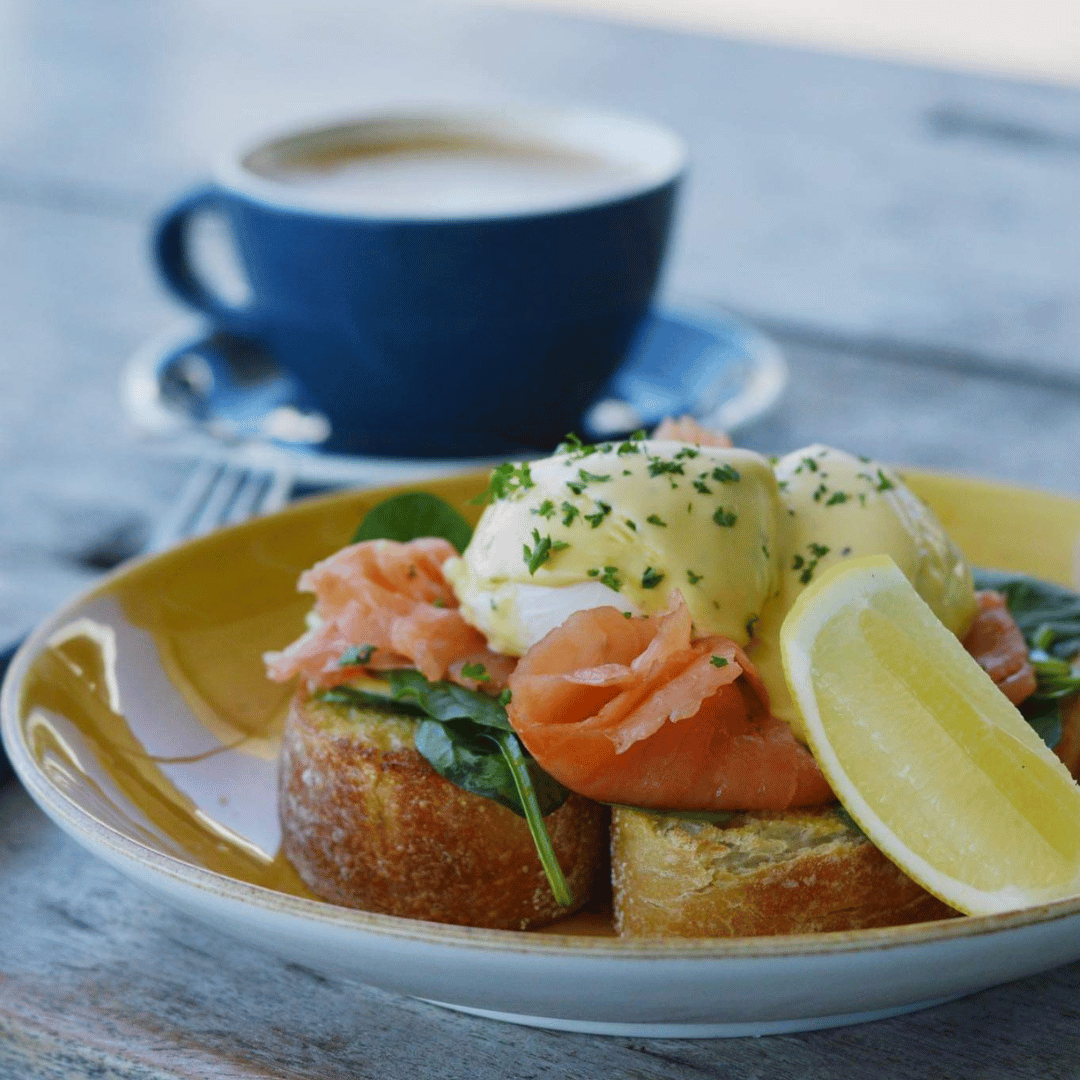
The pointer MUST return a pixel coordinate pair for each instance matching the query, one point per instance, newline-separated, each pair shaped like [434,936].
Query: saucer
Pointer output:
[213,394]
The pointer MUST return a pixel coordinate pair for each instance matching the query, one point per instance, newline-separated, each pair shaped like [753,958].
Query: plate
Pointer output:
[206,394]
[139,719]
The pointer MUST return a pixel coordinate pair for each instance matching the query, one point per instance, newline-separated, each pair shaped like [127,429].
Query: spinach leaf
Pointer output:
[467,739]
[471,758]
[1049,618]
[414,515]
[447,701]
[363,699]
[1036,605]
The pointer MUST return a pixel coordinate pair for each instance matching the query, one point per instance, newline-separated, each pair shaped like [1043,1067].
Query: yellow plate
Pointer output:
[139,718]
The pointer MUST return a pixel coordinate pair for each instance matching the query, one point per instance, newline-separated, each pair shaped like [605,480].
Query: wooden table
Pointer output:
[910,237]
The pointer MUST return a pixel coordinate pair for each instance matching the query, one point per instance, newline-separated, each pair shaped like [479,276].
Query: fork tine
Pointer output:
[214,512]
[247,501]
[178,520]
[277,492]
[218,493]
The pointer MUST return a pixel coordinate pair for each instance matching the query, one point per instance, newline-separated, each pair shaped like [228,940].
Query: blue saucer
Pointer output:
[229,393]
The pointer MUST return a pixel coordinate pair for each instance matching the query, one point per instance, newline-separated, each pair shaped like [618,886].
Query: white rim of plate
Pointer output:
[67,812]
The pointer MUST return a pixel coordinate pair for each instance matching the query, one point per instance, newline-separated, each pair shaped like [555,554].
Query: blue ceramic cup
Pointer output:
[440,284]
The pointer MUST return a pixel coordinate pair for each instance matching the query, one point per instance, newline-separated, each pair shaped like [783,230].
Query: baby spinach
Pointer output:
[446,701]
[1036,605]
[467,739]
[1049,618]
[414,515]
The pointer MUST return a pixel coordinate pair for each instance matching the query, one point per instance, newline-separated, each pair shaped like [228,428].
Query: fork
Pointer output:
[219,493]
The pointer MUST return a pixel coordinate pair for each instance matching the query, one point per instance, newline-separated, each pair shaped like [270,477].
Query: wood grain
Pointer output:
[100,980]
[910,235]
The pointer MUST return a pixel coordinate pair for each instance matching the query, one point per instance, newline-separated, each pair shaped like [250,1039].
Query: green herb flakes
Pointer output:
[692,577]
[726,474]
[602,512]
[724,518]
[656,519]
[660,467]
[476,671]
[651,578]
[546,509]
[506,480]
[535,557]
[718,661]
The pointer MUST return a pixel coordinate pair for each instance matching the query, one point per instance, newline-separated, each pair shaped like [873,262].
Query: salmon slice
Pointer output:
[392,597]
[997,644]
[687,429]
[633,711]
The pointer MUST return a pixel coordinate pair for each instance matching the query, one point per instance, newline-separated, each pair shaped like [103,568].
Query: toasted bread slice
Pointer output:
[766,872]
[367,823]
[776,872]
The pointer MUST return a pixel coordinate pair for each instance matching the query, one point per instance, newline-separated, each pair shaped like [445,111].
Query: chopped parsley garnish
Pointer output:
[718,661]
[506,479]
[535,557]
[359,654]
[545,509]
[692,577]
[836,498]
[702,488]
[651,578]
[609,576]
[726,474]
[686,452]
[656,519]
[570,511]
[602,512]
[631,525]
[576,486]
[589,477]
[819,491]
[628,447]
[504,698]
[725,518]
[476,671]
[879,483]
[658,467]
[808,566]
[807,462]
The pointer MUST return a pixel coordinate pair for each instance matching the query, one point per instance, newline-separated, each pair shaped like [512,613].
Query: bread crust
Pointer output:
[367,823]
[767,872]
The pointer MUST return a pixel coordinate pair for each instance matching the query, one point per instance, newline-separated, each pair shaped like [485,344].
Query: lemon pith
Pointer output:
[936,765]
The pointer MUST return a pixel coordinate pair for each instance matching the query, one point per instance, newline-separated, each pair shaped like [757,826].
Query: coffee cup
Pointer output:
[439,283]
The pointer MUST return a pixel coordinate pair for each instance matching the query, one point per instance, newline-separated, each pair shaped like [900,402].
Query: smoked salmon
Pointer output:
[997,644]
[633,711]
[686,429]
[382,604]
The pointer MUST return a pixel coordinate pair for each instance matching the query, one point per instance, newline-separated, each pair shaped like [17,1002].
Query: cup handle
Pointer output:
[172,251]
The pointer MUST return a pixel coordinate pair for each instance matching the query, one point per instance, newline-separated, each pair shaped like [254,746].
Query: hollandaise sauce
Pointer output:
[624,524]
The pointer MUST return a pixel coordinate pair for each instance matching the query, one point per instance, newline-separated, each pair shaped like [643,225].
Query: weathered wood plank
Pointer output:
[99,979]
[841,192]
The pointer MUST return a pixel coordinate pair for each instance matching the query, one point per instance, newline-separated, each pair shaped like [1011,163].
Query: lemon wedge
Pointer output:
[935,764]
